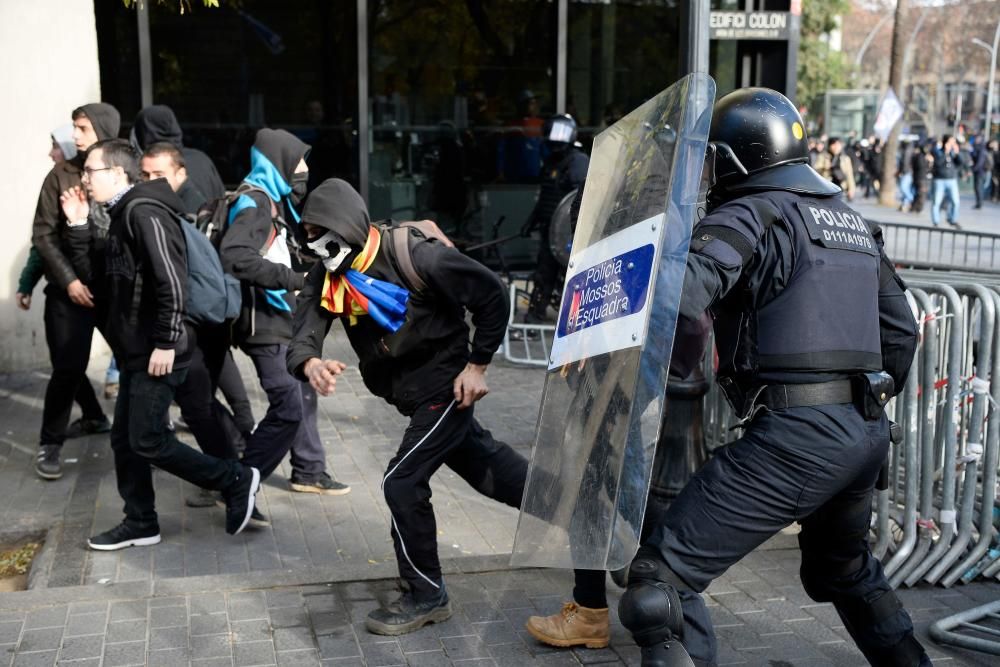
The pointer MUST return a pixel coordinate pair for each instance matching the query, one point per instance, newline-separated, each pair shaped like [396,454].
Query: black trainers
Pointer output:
[324,484]
[82,427]
[258,519]
[47,464]
[122,536]
[407,614]
[240,499]
[203,498]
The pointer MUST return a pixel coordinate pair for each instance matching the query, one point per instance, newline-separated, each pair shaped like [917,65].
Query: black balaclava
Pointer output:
[337,207]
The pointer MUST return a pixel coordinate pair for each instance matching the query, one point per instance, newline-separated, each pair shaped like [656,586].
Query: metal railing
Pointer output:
[941,248]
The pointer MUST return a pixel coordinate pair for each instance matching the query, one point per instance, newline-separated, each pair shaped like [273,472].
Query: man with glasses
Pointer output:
[146,268]
[72,296]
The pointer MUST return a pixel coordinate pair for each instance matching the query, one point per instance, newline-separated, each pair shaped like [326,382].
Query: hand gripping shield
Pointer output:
[601,410]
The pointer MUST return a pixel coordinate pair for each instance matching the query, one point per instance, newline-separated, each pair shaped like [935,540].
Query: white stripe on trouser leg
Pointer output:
[402,543]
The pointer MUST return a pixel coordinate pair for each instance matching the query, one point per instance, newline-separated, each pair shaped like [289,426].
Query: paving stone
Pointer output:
[292,639]
[119,655]
[339,644]
[170,657]
[308,658]
[10,631]
[254,653]
[127,631]
[168,638]
[78,648]
[383,653]
[35,659]
[50,617]
[209,624]
[250,631]
[165,617]
[129,611]
[495,632]
[210,646]
[462,648]
[45,639]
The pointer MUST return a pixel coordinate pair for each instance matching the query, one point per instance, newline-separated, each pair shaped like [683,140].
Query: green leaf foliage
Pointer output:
[820,67]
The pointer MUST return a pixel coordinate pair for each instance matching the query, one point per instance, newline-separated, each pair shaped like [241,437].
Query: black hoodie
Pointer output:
[268,286]
[424,357]
[63,263]
[146,261]
[158,123]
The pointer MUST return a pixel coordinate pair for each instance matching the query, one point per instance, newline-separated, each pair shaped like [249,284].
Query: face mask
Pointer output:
[331,251]
[299,184]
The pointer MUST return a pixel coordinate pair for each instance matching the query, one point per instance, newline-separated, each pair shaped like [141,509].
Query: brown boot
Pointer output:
[573,626]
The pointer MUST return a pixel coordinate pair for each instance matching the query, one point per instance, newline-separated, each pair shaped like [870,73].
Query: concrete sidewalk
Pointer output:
[297,592]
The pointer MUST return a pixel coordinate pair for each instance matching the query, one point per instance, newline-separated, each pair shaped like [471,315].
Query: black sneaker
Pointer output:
[240,499]
[122,536]
[203,498]
[47,464]
[258,519]
[82,427]
[324,484]
[406,614]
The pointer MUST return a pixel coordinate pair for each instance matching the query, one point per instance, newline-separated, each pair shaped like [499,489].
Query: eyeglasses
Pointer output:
[90,171]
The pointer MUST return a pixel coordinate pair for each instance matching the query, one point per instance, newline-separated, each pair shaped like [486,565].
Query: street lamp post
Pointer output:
[993,71]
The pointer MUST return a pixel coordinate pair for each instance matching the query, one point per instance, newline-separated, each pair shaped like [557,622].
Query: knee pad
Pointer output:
[651,611]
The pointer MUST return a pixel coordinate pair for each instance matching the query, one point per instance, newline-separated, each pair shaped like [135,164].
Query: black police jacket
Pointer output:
[801,291]
[561,174]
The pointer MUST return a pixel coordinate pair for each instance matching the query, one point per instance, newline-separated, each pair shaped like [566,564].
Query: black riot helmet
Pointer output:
[559,131]
[758,142]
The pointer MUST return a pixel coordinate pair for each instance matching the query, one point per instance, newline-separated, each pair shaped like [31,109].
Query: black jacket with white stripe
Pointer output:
[147,279]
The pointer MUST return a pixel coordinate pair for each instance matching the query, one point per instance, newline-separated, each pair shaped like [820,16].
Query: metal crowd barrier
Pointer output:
[923,247]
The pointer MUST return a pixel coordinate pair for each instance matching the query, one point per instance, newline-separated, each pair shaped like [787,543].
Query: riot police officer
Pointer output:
[564,170]
[814,335]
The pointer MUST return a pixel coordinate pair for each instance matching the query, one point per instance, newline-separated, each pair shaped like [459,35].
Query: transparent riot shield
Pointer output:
[604,392]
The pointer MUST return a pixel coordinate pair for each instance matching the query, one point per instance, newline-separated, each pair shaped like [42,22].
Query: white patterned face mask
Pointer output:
[330,250]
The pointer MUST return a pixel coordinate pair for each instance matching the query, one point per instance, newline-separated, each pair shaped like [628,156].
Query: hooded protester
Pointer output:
[71,293]
[263,222]
[413,345]
[157,123]
[63,147]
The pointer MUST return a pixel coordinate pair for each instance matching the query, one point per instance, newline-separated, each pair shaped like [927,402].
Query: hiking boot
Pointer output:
[324,484]
[240,498]
[203,498]
[82,427]
[47,464]
[122,536]
[572,626]
[407,614]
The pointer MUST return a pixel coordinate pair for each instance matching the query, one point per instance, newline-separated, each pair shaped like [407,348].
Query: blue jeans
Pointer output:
[906,188]
[944,187]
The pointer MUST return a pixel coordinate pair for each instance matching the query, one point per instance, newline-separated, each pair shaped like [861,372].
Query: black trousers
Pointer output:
[139,439]
[545,278]
[979,181]
[814,465]
[69,330]
[210,422]
[232,387]
[290,421]
[439,433]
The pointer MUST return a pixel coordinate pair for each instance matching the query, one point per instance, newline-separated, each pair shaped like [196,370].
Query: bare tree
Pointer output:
[887,191]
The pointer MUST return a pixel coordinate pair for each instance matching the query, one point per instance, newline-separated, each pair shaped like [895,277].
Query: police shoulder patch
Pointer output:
[834,227]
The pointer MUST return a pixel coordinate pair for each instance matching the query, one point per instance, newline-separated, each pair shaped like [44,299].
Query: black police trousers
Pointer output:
[439,433]
[815,465]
